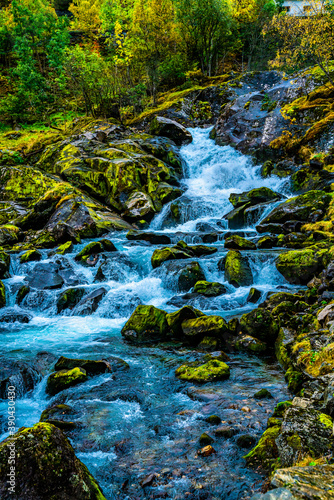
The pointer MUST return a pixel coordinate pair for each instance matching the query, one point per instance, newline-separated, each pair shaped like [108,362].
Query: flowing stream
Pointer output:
[143,420]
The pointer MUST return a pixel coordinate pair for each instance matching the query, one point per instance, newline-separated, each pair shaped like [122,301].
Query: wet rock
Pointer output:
[205,439]
[91,367]
[23,291]
[254,295]
[277,494]
[45,276]
[237,270]
[213,420]
[206,451]
[175,319]
[148,480]
[20,375]
[2,295]
[250,344]
[47,467]
[260,324]
[13,316]
[64,379]
[140,206]
[267,242]
[304,431]
[263,394]
[153,238]
[9,234]
[254,196]
[209,343]
[246,441]
[89,303]
[70,298]
[299,266]
[209,289]
[30,256]
[207,372]
[300,208]
[189,276]
[225,431]
[4,265]
[180,251]
[147,324]
[265,452]
[238,243]
[58,416]
[94,248]
[212,326]
[305,482]
[169,128]
[65,248]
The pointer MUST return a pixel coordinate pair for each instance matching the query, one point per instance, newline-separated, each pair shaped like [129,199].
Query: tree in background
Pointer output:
[86,16]
[252,16]
[38,41]
[206,28]
[306,39]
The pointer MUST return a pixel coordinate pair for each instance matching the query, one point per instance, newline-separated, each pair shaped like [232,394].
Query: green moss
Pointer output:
[2,295]
[281,408]
[326,420]
[299,266]
[260,323]
[265,452]
[213,326]
[237,269]
[63,379]
[147,324]
[294,379]
[294,441]
[209,289]
[65,248]
[250,344]
[208,372]
[239,243]
[30,255]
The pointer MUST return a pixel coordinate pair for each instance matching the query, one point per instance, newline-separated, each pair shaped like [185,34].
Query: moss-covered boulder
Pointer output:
[212,326]
[299,266]
[265,453]
[64,379]
[70,298]
[260,324]
[237,270]
[9,234]
[91,366]
[165,127]
[2,295]
[176,319]
[253,197]
[250,344]
[59,416]
[300,208]
[94,248]
[147,324]
[208,372]
[161,255]
[238,243]
[254,295]
[189,275]
[139,206]
[30,255]
[304,431]
[23,292]
[65,248]
[209,289]
[267,242]
[4,264]
[45,467]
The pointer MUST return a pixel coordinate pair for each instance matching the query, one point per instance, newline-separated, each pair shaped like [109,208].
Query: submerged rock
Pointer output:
[46,467]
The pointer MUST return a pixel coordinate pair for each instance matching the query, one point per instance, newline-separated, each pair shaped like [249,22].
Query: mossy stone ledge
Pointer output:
[208,372]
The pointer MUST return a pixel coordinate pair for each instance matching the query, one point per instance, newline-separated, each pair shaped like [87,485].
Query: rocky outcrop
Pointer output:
[46,467]
[172,130]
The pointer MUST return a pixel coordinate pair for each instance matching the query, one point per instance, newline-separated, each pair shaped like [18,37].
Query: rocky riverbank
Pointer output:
[124,188]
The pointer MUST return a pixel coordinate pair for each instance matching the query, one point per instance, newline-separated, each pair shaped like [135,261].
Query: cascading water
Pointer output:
[143,420]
